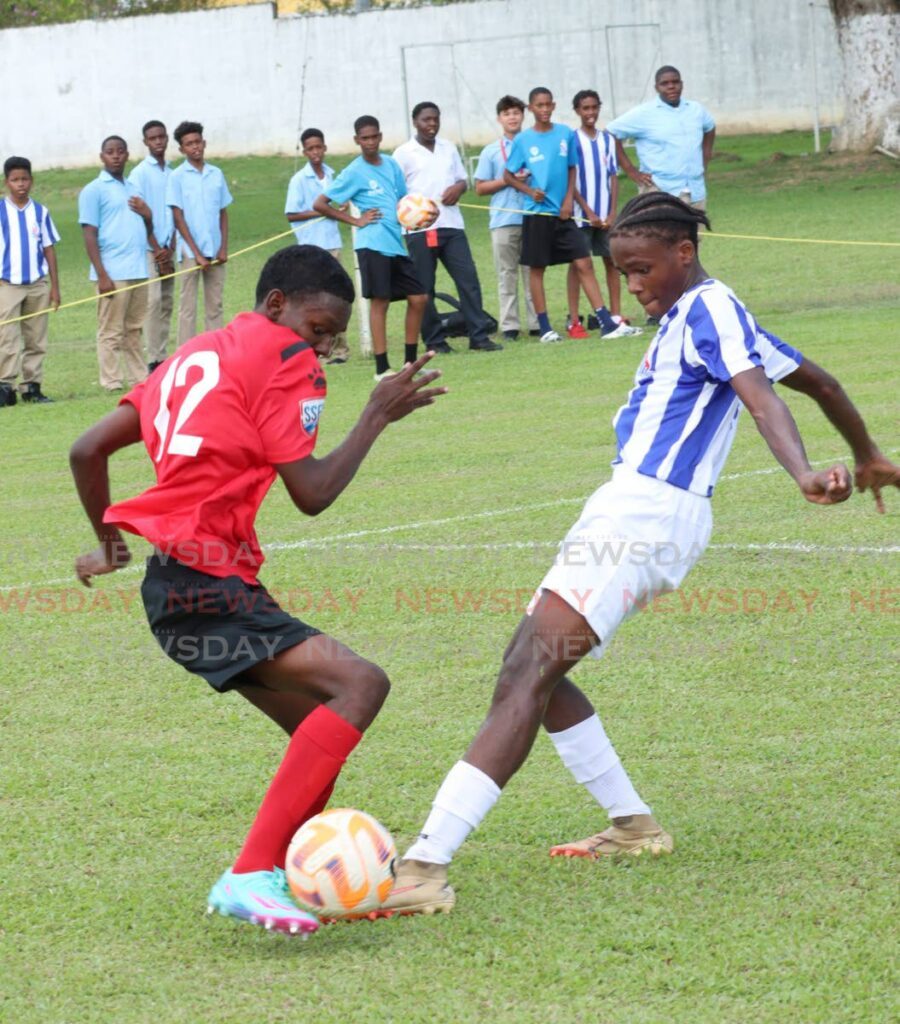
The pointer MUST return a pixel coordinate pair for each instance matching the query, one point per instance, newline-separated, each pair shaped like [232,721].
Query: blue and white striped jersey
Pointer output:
[24,234]
[681,415]
[596,166]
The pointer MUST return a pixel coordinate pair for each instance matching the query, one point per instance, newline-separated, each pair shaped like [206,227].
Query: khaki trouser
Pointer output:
[160,302]
[685,196]
[120,319]
[27,338]
[506,243]
[339,347]
[213,289]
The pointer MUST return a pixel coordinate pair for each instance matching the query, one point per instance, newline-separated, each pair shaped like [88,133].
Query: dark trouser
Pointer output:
[454,252]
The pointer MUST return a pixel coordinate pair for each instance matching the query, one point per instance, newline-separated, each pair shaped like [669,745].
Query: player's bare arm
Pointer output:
[872,470]
[520,185]
[313,484]
[568,203]
[53,269]
[489,187]
[709,139]
[322,207]
[89,461]
[776,424]
[453,193]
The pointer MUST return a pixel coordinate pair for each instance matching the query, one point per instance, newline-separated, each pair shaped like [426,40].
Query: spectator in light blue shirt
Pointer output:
[116,224]
[311,228]
[506,219]
[199,198]
[151,178]
[674,140]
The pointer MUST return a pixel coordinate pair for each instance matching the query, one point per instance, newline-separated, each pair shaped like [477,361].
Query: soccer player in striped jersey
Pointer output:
[708,359]
[29,283]
[596,200]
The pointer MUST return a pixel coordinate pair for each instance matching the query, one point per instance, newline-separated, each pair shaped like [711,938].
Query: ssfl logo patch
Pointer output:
[310,411]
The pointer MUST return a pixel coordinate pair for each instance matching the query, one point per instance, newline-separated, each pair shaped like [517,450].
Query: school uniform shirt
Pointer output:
[430,173]
[303,190]
[680,418]
[548,156]
[24,235]
[201,196]
[373,186]
[505,204]
[151,180]
[216,419]
[121,233]
[669,143]
[597,166]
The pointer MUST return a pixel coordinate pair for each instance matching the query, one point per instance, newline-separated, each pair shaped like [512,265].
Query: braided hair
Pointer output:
[659,215]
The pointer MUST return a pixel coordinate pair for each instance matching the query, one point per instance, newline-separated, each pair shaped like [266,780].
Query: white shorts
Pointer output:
[637,537]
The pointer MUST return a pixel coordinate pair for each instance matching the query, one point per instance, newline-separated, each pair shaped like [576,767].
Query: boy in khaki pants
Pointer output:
[28,283]
[116,223]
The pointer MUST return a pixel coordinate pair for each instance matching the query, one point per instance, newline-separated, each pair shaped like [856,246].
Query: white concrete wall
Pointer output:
[241,70]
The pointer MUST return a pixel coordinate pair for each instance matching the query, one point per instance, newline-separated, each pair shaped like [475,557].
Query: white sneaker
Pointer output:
[623,331]
[387,373]
[550,338]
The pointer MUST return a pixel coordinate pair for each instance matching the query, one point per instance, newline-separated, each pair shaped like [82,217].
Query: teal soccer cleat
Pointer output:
[262,898]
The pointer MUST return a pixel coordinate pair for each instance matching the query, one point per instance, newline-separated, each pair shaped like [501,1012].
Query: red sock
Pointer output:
[315,755]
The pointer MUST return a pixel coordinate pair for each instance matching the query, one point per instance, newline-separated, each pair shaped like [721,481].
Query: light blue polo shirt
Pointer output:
[304,189]
[491,165]
[151,180]
[373,186]
[201,197]
[121,233]
[548,155]
[669,143]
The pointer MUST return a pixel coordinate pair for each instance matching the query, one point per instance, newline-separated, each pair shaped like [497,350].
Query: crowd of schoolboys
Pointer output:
[553,197]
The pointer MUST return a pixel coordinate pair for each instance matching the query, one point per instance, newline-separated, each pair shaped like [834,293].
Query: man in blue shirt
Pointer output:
[199,198]
[116,224]
[674,140]
[374,183]
[506,219]
[550,236]
[309,227]
[151,177]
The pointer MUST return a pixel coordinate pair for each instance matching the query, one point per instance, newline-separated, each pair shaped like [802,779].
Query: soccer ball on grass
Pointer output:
[340,864]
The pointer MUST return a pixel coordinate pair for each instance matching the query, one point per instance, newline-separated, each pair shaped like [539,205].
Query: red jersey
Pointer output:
[216,418]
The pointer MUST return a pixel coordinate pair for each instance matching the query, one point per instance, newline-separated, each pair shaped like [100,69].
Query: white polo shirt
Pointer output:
[431,173]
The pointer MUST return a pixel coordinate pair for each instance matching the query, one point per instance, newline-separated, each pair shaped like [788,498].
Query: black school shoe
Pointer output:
[510,335]
[33,393]
[7,395]
[442,348]
[485,346]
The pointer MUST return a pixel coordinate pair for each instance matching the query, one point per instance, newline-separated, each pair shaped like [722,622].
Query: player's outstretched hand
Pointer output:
[874,474]
[98,563]
[827,487]
[397,396]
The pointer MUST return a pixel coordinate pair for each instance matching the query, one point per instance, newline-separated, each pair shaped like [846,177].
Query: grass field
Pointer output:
[756,709]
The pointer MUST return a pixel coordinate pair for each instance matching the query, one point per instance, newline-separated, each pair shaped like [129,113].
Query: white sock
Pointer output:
[590,757]
[465,797]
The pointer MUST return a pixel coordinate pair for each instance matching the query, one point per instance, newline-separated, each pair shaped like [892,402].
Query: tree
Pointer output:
[869,40]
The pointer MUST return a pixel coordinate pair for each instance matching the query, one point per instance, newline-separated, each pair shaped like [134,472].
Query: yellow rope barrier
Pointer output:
[467,206]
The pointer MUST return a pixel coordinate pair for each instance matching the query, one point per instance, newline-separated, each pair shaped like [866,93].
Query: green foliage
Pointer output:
[764,738]
[21,13]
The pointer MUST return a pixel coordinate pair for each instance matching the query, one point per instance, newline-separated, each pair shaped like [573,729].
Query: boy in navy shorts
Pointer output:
[375,184]
[549,234]
[224,415]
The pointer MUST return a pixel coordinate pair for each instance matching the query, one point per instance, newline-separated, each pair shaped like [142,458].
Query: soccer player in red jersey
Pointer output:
[221,418]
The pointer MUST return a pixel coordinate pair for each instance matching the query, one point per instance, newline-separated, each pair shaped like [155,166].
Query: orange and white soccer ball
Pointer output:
[416,211]
[341,863]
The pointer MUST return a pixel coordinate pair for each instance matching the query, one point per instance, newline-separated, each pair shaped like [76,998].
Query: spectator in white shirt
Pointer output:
[432,167]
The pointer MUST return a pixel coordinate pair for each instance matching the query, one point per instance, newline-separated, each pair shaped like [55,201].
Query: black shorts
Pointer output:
[387,277]
[547,241]
[216,627]
[598,240]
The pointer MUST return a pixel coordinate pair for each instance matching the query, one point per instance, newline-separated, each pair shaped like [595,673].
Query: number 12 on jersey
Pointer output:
[176,375]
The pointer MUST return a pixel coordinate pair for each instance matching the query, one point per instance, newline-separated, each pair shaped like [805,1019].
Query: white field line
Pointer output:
[352,535]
